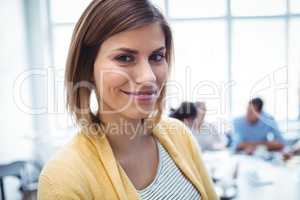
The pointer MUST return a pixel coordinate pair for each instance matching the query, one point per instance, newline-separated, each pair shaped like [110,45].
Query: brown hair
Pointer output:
[101,20]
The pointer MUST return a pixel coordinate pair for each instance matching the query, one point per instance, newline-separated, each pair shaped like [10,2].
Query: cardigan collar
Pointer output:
[121,182]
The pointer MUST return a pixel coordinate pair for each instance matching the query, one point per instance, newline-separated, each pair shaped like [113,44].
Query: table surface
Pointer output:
[281,181]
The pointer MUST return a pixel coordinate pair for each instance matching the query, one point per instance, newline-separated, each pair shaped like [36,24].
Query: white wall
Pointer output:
[16,126]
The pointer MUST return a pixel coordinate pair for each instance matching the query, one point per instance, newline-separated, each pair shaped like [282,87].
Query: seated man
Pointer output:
[255,129]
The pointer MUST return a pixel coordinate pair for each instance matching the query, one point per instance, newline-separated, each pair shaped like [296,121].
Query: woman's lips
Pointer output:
[148,95]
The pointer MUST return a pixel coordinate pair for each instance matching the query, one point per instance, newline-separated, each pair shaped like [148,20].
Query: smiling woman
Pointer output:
[130,75]
[121,50]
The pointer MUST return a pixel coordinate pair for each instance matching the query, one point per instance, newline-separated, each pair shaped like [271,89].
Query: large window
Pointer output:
[226,51]
[258,54]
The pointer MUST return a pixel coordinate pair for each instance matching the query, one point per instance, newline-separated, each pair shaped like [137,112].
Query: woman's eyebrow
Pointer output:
[128,50]
[133,51]
[159,49]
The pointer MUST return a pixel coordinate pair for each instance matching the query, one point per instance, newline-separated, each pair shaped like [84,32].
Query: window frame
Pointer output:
[228,18]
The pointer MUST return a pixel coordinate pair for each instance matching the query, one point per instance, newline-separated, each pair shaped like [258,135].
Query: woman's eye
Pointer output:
[157,57]
[124,58]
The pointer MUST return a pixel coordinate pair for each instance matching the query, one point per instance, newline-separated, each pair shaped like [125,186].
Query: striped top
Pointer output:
[169,182]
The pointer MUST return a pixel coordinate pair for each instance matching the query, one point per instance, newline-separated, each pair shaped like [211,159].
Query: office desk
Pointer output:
[277,182]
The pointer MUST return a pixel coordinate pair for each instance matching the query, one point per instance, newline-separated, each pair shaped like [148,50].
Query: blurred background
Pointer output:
[226,52]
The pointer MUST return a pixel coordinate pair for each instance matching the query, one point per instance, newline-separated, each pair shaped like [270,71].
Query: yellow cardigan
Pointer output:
[87,169]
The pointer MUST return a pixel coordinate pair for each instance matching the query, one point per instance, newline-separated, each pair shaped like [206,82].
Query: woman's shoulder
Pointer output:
[171,124]
[64,171]
[176,131]
[70,156]
[63,159]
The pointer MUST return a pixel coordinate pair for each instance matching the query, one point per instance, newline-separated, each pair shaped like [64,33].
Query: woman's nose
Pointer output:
[144,73]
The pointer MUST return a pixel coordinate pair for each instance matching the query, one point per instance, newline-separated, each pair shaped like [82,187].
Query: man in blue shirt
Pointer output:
[255,129]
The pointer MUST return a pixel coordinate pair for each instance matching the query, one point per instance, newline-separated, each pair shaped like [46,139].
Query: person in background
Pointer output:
[192,115]
[206,133]
[186,112]
[255,129]
[293,151]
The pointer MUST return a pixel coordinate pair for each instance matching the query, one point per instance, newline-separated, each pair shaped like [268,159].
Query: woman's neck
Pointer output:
[122,133]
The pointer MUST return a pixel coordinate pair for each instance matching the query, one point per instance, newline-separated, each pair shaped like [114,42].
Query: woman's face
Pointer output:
[130,70]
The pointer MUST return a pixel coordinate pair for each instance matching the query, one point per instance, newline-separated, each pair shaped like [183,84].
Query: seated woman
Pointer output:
[206,134]
[121,51]
[186,112]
